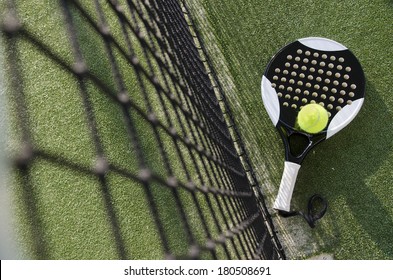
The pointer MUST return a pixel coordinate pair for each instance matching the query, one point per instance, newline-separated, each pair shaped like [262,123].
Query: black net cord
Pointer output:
[181,103]
[209,88]
[242,151]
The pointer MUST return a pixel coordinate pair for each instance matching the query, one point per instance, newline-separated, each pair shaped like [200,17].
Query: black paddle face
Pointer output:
[302,75]
[299,75]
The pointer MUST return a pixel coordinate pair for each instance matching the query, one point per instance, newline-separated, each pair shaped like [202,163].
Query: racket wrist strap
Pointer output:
[311,216]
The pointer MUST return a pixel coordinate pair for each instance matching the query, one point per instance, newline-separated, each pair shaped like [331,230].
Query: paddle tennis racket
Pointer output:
[309,70]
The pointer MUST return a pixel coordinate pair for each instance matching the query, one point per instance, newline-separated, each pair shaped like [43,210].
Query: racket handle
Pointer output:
[288,180]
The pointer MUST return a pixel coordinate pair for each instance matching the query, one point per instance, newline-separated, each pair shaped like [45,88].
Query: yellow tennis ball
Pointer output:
[313,118]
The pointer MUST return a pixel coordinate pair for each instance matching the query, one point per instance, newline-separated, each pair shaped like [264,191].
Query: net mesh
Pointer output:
[157,140]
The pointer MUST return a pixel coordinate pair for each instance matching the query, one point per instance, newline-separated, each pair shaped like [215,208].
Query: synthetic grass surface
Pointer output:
[352,170]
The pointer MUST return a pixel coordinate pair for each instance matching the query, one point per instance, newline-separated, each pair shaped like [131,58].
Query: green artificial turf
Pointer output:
[352,170]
